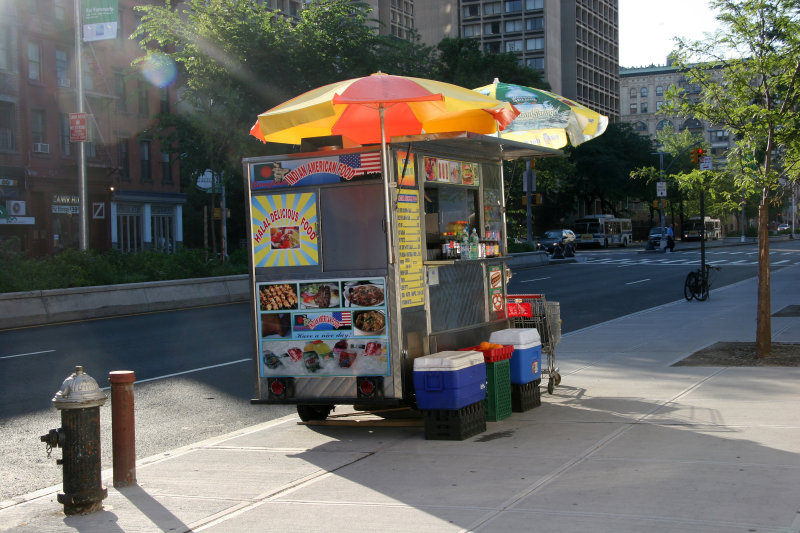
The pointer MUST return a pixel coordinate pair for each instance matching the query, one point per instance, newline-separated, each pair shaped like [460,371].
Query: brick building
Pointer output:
[133,187]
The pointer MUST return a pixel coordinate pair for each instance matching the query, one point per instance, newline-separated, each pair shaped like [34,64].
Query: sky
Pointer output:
[646,28]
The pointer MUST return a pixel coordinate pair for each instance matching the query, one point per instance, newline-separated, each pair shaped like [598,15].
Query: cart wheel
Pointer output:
[550,386]
[558,378]
[313,412]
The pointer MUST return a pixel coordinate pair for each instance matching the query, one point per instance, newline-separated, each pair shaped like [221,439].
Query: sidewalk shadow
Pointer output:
[552,446]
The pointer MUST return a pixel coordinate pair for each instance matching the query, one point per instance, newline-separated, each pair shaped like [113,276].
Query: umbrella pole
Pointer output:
[385,172]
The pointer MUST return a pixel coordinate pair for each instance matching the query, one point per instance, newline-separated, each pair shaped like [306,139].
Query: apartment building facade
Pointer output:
[642,95]
[133,186]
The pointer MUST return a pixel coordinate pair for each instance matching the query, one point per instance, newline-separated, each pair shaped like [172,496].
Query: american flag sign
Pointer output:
[362,163]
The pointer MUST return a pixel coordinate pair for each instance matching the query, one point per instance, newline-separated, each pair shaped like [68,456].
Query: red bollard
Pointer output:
[123,432]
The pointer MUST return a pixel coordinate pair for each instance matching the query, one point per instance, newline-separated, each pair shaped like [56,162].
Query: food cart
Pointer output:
[356,273]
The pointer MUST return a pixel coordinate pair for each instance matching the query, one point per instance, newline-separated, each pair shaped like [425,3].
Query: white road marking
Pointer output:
[190,371]
[635,282]
[532,280]
[24,354]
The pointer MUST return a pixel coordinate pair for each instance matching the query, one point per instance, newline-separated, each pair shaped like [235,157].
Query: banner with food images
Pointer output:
[449,171]
[323,328]
[284,230]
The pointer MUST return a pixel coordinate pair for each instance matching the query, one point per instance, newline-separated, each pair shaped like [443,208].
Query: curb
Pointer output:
[36,308]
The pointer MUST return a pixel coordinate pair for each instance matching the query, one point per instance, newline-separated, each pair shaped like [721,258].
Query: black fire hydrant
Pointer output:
[79,401]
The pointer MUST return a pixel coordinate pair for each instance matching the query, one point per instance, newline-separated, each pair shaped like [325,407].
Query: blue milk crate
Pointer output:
[449,380]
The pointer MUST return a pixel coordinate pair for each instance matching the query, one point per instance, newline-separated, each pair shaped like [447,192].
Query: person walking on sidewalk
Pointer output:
[670,239]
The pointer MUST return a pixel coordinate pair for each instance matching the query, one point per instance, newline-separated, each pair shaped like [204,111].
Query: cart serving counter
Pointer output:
[357,271]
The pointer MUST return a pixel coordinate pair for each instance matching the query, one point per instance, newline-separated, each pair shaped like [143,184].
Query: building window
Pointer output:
[643,92]
[166,168]
[535,44]
[634,94]
[38,129]
[659,91]
[294,8]
[491,48]
[122,92]
[129,223]
[124,159]
[62,64]
[144,161]
[492,8]
[644,107]
[534,4]
[164,99]
[144,106]
[34,62]
[161,222]
[534,24]
[514,46]
[513,6]
[663,124]
[472,10]
[472,30]
[513,25]
[88,75]
[60,10]
[491,28]
[536,63]
[6,62]
[7,126]
[634,107]
[659,105]
[90,146]
[63,130]
[640,126]
[719,136]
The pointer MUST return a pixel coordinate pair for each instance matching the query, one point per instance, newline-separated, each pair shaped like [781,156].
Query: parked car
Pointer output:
[554,236]
[654,237]
[782,227]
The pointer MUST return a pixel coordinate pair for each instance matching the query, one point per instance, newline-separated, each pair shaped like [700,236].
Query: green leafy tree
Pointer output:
[462,62]
[603,167]
[747,76]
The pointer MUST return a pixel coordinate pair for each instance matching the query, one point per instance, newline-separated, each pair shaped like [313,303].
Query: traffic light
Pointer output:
[696,155]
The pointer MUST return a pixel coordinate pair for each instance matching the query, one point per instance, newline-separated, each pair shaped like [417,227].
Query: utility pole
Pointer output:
[83,195]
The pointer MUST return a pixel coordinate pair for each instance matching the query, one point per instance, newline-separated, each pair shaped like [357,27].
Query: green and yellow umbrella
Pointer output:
[546,119]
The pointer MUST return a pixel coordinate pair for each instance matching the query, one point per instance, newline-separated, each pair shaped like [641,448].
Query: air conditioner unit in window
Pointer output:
[41,148]
[16,207]
[63,82]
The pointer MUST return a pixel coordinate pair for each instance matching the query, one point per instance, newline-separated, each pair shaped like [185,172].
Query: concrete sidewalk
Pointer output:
[627,443]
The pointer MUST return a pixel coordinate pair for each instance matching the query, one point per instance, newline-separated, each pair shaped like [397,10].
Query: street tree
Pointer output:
[604,165]
[462,62]
[745,79]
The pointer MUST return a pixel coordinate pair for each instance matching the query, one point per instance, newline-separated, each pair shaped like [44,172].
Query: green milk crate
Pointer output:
[498,390]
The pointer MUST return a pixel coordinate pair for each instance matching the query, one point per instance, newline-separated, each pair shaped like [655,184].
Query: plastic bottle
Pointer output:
[474,241]
[464,243]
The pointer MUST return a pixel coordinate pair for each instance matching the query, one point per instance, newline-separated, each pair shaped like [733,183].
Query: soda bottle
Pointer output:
[473,244]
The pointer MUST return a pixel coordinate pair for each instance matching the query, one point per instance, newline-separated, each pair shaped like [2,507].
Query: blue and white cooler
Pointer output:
[526,360]
[449,380]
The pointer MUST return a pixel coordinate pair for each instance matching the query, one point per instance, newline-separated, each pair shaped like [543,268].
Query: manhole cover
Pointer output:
[789,310]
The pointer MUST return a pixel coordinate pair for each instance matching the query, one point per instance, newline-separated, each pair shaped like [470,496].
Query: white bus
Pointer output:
[694,229]
[603,230]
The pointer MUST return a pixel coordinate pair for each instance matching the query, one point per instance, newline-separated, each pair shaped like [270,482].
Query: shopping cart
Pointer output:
[534,311]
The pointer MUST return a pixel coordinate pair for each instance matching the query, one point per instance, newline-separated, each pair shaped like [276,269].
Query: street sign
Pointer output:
[209,182]
[77,127]
[661,189]
[98,210]
[705,163]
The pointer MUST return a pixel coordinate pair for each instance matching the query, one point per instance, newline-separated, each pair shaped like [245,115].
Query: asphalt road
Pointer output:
[194,375]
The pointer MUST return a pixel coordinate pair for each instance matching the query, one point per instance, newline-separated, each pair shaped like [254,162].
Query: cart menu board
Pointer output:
[323,328]
[284,229]
[409,234]
[449,171]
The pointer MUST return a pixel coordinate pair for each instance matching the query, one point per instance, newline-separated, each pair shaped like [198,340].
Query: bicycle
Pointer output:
[698,284]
